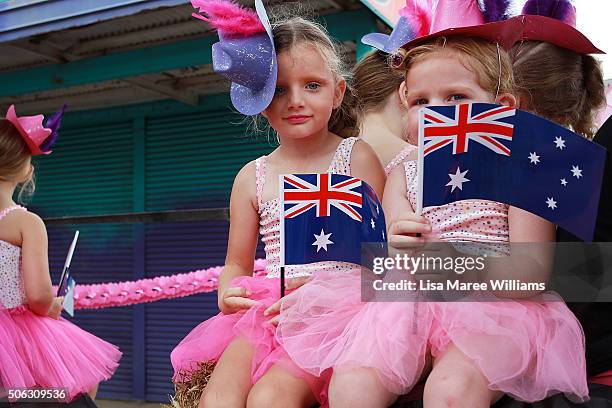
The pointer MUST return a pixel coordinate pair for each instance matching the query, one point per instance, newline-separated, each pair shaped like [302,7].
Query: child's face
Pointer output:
[440,80]
[306,93]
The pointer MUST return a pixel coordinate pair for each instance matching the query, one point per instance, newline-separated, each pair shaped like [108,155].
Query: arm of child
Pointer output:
[242,242]
[403,224]
[35,264]
[531,258]
[366,166]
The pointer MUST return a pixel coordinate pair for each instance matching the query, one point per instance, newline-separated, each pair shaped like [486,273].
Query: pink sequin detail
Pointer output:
[469,220]
[12,293]
[269,218]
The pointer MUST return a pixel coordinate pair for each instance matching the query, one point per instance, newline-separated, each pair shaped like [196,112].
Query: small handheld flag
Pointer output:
[492,152]
[326,217]
[67,283]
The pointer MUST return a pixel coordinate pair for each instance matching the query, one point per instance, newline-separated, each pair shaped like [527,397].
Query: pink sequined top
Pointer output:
[468,220]
[12,293]
[269,218]
[399,159]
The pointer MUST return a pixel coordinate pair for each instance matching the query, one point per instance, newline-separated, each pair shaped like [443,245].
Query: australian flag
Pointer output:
[492,152]
[326,217]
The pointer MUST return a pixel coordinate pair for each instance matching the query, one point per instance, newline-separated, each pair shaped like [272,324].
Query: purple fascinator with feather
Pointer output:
[245,52]
[39,137]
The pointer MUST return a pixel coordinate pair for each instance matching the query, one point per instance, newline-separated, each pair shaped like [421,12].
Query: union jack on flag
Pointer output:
[327,217]
[463,125]
[300,195]
[551,171]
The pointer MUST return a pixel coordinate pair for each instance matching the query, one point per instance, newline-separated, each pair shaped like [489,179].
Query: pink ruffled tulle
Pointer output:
[208,340]
[41,352]
[324,325]
[529,349]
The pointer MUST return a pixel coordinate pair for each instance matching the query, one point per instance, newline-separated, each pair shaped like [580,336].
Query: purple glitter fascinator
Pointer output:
[401,34]
[39,137]
[414,21]
[245,52]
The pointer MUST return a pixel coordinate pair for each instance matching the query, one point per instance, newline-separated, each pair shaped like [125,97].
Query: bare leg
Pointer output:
[279,388]
[356,388]
[93,392]
[456,381]
[230,382]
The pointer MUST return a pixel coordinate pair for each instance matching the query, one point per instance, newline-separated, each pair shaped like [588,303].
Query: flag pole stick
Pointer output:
[281,190]
[282,281]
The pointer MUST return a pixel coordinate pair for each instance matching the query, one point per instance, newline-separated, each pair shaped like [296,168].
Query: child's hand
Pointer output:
[235,300]
[292,284]
[55,311]
[403,231]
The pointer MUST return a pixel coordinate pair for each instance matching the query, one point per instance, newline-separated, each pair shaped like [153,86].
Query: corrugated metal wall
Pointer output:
[185,160]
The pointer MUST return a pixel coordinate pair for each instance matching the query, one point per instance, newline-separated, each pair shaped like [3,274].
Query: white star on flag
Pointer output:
[559,142]
[564,182]
[457,179]
[534,158]
[322,240]
[377,213]
[576,172]
[551,203]
[372,223]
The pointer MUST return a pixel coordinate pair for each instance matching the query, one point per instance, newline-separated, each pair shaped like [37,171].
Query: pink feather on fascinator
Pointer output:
[229,18]
[418,14]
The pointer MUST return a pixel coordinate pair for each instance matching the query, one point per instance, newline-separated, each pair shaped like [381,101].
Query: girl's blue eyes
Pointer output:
[457,97]
[312,86]
[451,98]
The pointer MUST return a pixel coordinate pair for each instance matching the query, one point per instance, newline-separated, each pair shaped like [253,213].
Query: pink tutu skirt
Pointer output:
[41,352]
[529,349]
[325,326]
[207,341]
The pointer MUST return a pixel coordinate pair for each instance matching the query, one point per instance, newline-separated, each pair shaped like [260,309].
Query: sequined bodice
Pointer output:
[469,220]
[399,159]
[269,217]
[12,293]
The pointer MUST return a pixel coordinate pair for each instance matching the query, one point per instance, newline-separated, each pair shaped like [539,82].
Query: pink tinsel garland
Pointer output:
[103,295]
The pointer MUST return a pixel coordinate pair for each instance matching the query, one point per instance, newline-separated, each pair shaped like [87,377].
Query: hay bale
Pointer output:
[187,393]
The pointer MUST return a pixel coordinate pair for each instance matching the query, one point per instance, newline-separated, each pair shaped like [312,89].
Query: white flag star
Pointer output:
[576,172]
[457,179]
[564,182]
[534,158]
[551,203]
[559,142]
[322,240]
[377,212]
[372,223]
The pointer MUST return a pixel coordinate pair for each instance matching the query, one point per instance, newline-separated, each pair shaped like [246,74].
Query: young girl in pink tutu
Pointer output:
[38,349]
[293,75]
[527,348]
